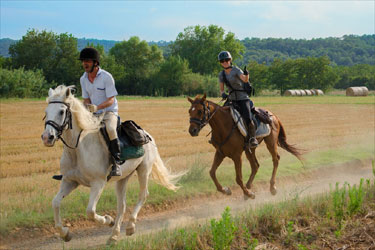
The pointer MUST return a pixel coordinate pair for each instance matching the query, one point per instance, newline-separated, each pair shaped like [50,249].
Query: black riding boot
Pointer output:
[114,148]
[253,142]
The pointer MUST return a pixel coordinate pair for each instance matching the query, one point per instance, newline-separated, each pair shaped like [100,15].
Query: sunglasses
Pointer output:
[225,60]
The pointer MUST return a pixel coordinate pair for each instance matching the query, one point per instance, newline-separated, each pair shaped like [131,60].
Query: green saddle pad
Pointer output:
[128,151]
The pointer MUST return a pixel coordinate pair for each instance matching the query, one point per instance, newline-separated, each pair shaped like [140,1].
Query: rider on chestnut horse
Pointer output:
[235,79]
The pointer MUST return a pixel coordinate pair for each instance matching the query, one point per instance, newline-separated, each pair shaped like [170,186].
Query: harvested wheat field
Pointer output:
[329,128]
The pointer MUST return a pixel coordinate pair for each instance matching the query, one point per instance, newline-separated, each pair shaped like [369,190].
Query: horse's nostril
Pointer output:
[51,137]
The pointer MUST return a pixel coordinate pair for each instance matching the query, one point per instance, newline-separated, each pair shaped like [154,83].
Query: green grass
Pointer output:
[293,224]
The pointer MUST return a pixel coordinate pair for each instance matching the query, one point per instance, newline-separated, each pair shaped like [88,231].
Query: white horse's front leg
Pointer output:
[65,188]
[121,206]
[95,192]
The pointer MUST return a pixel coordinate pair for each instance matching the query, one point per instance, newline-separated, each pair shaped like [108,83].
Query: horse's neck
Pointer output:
[221,121]
[76,134]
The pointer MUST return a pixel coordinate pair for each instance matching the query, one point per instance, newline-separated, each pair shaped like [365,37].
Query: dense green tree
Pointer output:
[200,45]
[55,54]
[139,62]
[303,73]
[258,76]
[5,62]
[22,83]
[357,75]
[170,79]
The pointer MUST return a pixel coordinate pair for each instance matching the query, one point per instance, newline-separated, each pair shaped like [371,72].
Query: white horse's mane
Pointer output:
[85,119]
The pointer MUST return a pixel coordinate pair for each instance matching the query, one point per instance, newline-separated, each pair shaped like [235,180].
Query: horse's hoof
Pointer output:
[67,237]
[111,222]
[130,229]
[273,191]
[227,191]
[250,195]
[112,240]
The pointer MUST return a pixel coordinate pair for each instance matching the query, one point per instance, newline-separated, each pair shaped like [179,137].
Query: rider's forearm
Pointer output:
[106,103]
[221,88]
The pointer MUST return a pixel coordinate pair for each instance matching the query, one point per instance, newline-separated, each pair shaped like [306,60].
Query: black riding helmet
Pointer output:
[224,55]
[89,54]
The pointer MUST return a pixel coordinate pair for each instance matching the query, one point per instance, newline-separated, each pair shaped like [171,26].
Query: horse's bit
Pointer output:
[67,122]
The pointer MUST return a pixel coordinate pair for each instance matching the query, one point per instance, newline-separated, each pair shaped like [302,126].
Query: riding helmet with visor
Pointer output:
[224,55]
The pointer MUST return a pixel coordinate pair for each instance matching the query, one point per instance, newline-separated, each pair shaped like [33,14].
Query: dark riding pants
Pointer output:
[244,107]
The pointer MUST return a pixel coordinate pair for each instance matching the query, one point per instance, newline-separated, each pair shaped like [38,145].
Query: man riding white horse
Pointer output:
[99,94]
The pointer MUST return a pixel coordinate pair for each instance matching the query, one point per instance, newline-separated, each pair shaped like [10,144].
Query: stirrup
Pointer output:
[253,143]
[116,171]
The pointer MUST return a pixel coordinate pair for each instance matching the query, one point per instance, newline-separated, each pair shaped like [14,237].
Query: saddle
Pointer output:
[131,137]
[261,119]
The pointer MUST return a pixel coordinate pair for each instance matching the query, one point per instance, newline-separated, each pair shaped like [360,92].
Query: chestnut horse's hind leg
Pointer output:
[238,166]
[254,167]
[218,159]
[66,188]
[271,143]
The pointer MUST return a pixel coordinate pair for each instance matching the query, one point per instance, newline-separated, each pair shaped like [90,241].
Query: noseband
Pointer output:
[62,127]
[206,116]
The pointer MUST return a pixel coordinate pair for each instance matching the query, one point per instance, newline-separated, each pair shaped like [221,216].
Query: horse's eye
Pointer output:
[61,112]
[199,112]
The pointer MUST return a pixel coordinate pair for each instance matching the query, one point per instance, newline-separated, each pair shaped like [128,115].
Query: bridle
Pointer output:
[66,123]
[206,116]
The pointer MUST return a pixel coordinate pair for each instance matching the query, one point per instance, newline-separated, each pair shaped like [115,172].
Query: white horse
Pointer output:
[85,161]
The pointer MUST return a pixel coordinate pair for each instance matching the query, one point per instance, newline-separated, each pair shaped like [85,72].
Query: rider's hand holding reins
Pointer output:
[92,108]
[224,95]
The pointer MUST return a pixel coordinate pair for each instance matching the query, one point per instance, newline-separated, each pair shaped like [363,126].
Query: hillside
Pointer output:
[347,50]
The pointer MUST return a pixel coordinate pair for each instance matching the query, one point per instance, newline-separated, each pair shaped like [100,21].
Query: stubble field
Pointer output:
[330,129]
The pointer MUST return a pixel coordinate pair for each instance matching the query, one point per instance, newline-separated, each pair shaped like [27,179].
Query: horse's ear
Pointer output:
[204,97]
[50,92]
[73,89]
[67,94]
[190,100]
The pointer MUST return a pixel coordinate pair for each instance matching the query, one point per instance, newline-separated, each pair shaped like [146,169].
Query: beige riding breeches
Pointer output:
[110,120]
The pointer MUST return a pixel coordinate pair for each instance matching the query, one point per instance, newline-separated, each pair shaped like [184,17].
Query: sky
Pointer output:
[164,20]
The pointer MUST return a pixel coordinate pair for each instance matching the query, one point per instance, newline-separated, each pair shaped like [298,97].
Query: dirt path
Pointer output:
[199,211]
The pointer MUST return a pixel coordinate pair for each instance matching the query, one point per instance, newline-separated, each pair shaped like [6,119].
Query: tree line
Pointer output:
[186,66]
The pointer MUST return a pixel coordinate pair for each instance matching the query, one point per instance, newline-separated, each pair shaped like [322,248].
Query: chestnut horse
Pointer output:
[229,142]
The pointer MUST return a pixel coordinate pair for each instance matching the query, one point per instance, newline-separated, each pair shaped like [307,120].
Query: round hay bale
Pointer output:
[357,91]
[298,92]
[303,93]
[319,92]
[313,92]
[289,92]
[308,92]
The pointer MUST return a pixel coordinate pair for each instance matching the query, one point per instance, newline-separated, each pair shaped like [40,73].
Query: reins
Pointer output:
[61,128]
[203,122]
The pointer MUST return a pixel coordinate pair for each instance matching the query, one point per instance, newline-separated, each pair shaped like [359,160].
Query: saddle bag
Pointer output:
[135,133]
[262,115]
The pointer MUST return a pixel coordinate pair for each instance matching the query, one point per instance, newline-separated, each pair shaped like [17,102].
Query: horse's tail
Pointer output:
[290,148]
[163,176]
